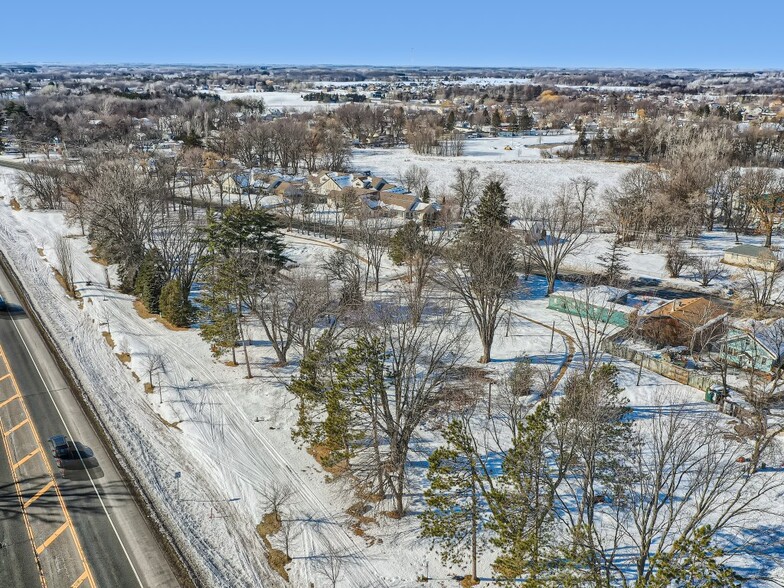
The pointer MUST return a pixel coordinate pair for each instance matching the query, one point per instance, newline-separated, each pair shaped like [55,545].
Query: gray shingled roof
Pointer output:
[750,251]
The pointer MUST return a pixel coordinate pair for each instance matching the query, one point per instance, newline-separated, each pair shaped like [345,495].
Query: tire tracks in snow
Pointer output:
[363,572]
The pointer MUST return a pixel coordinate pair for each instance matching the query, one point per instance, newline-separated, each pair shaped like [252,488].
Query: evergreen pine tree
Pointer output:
[405,243]
[238,244]
[359,377]
[693,562]
[311,387]
[454,499]
[522,503]
[426,194]
[491,212]
[613,263]
[218,316]
[496,118]
[150,280]
[175,306]
[450,120]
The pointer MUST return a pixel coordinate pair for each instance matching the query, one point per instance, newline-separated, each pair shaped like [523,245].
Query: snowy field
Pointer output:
[650,262]
[526,173]
[277,100]
[231,436]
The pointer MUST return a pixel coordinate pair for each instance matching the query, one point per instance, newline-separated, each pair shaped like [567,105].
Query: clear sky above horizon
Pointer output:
[565,33]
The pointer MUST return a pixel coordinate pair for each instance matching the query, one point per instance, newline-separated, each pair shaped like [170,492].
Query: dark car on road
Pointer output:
[3,304]
[71,454]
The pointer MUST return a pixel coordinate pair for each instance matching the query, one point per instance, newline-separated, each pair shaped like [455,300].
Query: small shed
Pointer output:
[753,256]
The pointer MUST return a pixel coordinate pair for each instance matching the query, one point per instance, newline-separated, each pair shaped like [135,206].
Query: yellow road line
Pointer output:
[86,574]
[22,461]
[40,493]
[79,580]
[17,426]
[7,400]
[25,516]
[4,377]
[51,538]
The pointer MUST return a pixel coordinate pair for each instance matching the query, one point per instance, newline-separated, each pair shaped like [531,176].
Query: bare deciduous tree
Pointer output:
[584,189]
[480,270]
[760,287]
[276,496]
[677,258]
[373,238]
[421,358]
[330,565]
[154,364]
[467,189]
[708,269]
[63,251]
[553,233]
[763,191]
[591,318]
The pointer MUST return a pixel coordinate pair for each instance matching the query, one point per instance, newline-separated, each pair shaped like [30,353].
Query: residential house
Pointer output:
[378,183]
[289,190]
[752,256]
[425,212]
[335,182]
[237,183]
[754,345]
[690,322]
[398,202]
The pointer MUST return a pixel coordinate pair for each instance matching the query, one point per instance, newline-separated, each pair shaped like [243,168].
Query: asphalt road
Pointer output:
[86,515]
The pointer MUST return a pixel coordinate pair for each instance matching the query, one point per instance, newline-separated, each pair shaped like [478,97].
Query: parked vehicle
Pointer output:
[3,304]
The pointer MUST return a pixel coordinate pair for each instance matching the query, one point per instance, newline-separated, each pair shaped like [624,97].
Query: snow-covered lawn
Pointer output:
[526,173]
[650,262]
[230,436]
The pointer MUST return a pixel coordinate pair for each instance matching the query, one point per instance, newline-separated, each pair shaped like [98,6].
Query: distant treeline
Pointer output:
[328,97]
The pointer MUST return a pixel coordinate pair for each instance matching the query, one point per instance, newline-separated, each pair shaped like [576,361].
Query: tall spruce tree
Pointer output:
[491,212]
[613,263]
[174,306]
[150,280]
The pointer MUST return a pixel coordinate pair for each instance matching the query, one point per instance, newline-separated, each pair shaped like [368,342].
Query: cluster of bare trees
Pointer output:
[587,496]
[694,188]
[128,212]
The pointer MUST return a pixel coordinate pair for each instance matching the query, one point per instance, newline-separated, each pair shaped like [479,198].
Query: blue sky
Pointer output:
[562,33]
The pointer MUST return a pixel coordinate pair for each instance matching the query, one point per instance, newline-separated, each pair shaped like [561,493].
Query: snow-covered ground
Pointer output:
[650,262]
[276,100]
[230,436]
[525,172]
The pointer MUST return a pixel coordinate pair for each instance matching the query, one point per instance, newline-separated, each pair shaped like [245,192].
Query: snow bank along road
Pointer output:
[75,527]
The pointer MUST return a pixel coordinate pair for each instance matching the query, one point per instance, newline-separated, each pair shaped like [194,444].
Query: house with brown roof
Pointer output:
[399,204]
[378,183]
[689,322]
